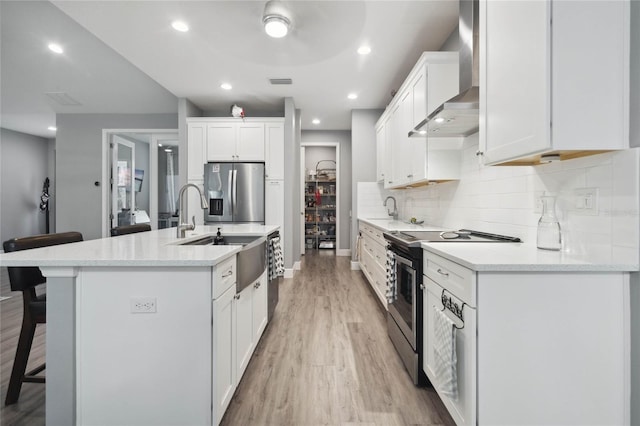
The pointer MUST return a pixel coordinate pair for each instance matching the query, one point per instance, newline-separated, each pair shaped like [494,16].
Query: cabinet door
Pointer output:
[260,302]
[380,160]
[419,93]
[515,78]
[390,152]
[274,150]
[430,299]
[243,330]
[274,204]
[221,141]
[402,164]
[196,145]
[250,142]
[224,382]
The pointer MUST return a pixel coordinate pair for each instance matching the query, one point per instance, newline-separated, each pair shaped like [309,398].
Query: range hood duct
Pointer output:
[459,116]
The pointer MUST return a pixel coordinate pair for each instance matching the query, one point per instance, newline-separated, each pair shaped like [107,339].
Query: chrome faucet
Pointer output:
[394,213]
[183,227]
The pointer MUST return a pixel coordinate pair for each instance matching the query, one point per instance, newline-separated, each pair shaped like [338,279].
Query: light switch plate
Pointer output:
[586,201]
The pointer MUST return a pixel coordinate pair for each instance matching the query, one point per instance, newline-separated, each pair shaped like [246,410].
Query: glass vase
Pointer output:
[549,234]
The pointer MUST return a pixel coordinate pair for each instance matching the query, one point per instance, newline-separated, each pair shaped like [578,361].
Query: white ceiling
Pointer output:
[104,64]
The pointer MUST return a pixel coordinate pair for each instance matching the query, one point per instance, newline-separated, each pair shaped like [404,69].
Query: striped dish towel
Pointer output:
[276,260]
[391,276]
[444,349]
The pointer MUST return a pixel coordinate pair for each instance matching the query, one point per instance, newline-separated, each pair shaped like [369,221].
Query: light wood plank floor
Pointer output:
[324,359]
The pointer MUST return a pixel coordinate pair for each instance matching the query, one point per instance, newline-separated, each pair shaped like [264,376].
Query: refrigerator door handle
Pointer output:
[231,189]
[235,191]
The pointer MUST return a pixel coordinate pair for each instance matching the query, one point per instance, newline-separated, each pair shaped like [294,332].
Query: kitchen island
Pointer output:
[143,330]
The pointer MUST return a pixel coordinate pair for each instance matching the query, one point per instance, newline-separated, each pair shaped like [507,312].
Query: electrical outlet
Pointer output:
[586,201]
[143,305]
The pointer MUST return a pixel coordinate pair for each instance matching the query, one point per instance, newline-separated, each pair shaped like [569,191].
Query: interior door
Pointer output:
[123,154]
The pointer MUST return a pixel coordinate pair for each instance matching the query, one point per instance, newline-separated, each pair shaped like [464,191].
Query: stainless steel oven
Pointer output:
[405,320]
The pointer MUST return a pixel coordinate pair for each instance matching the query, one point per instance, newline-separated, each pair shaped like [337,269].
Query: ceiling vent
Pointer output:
[280,81]
[62,98]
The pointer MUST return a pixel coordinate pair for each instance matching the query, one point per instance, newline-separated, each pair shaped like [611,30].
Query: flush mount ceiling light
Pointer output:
[276,19]
[352,96]
[315,121]
[180,26]
[364,50]
[54,47]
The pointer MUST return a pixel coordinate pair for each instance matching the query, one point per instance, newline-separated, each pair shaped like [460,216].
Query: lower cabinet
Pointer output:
[373,259]
[239,319]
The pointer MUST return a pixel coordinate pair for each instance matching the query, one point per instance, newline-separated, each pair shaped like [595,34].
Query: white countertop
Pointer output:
[527,257]
[398,225]
[153,248]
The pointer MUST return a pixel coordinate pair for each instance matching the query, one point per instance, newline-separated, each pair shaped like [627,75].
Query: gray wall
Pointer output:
[313,154]
[186,108]
[343,138]
[79,165]
[451,43]
[24,165]
[363,149]
[635,277]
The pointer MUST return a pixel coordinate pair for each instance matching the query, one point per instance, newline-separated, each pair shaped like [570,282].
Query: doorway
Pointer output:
[320,198]
[140,175]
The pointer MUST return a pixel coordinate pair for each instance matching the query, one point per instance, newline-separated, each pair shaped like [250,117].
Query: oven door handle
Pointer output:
[404,261]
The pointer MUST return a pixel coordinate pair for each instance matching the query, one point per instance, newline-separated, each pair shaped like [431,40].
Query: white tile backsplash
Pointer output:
[502,199]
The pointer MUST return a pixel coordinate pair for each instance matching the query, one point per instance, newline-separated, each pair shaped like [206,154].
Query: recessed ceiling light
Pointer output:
[180,26]
[54,47]
[226,86]
[52,128]
[352,96]
[159,144]
[423,132]
[439,120]
[364,50]
[167,150]
[315,121]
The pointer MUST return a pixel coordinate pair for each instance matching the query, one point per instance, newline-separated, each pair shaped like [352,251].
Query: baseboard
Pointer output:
[343,252]
[288,273]
[355,265]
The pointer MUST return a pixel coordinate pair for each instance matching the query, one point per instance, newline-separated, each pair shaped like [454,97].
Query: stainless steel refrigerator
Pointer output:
[235,192]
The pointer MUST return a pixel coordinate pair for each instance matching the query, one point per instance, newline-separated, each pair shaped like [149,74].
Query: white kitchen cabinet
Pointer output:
[196,146]
[274,151]
[380,150]
[274,204]
[540,346]
[260,303]
[236,141]
[373,259]
[243,310]
[554,79]
[405,162]
[223,353]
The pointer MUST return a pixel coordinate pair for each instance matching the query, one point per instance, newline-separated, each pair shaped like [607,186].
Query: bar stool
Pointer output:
[25,279]
[130,229]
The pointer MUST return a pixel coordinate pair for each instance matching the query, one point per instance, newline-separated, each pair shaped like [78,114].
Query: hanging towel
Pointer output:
[391,276]
[276,260]
[444,351]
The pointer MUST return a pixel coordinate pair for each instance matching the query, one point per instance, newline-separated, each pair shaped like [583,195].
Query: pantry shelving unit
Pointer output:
[320,210]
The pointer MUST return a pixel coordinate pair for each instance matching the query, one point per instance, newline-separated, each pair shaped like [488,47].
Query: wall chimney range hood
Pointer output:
[459,116]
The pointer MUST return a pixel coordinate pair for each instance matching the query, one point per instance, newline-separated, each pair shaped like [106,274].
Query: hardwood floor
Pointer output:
[324,359]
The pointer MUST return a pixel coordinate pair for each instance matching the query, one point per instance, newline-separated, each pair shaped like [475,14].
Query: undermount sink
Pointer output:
[207,240]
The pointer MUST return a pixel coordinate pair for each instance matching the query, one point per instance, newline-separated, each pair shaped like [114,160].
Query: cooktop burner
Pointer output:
[414,238]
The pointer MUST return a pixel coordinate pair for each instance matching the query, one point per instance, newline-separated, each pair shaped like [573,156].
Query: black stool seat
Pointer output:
[130,229]
[25,279]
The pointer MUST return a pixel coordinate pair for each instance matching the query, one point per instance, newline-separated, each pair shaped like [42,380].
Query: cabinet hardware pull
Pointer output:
[446,274]
[237,296]
[227,274]
[479,153]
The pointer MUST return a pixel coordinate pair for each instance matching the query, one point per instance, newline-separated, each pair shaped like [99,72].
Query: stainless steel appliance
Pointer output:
[405,312]
[235,192]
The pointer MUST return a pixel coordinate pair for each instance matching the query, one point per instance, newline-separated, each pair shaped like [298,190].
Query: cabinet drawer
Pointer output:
[373,232]
[455,278]
[224,276]
[376,251]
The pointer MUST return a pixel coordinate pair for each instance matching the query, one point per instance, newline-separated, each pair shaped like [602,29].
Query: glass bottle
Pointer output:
[549,235]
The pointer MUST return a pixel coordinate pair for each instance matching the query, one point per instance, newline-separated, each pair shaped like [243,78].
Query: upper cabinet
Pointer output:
[404,161]
[235,141]
[554,79]
[274,150]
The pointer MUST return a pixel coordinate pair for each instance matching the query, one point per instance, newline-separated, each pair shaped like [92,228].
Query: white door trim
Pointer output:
[153,172]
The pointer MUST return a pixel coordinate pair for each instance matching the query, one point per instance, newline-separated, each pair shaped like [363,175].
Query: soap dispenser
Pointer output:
[219,239]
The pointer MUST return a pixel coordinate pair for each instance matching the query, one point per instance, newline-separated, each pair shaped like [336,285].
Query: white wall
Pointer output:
[24,165]
[79,165]
[343,138]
